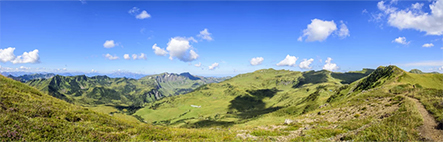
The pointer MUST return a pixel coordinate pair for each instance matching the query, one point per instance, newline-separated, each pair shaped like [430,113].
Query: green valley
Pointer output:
[385,104]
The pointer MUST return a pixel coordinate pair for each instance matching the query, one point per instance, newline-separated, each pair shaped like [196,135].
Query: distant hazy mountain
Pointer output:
[126,74]
[24,78]
[175,84]
[126,92]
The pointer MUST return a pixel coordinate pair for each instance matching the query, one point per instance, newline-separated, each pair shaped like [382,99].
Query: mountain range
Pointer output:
[119,92]
[385,104]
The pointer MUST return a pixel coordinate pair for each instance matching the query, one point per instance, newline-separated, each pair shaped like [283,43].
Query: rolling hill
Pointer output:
[27,114]
[385,104]
[367,105]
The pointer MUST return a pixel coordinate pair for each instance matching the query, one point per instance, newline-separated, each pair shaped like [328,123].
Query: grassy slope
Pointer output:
[262,97]
[91,91]
[368,109]
[28,114]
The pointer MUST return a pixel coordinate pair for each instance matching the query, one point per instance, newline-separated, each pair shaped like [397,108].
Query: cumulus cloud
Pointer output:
[344,31]
[288,61]
[109,44]
[159,51]
[300,38]
[414,18]
[143,15]
[198,65]
[330,66]
[319,30]
[256,61]
[141,56]
[205,35]
[401,40]
[27,57]
[110,57]
[305,64]
[179,47]
[93,71]
[417,6]
[213,66]
[126,56]
[7,54]
[427,45]
[139,15]
[441,68]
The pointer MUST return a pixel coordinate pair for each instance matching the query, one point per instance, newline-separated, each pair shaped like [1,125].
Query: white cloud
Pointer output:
[441,48]
[300,38]
[305,64]
[213,66]
[427,45]
[7,54]
[93,71]
[133,10]
[344,31]
[288,61]
[126,56]
[180,48]
[142,56]
[109,44]
[198,65]
[319,30]
[256,61]
[24,68]
[159,51]
[205,35]
[330,66]
[27,57]
[425,63]
[110,57]
[441,68]
[401,40]
[143,15]
[415,18]
[417,6]
[139,15]
[364,11]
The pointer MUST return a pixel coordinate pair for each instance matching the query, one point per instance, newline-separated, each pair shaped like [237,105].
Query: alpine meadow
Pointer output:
[221,70]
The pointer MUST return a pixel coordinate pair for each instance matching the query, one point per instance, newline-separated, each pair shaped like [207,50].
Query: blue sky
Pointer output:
[337,35]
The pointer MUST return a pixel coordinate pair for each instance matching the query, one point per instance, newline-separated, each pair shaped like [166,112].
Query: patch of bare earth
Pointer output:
[428,129]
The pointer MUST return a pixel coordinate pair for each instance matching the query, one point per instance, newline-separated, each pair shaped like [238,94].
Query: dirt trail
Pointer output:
[428,129]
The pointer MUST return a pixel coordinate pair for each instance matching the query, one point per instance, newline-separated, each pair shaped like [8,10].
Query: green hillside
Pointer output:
[368,105]
[26,114]
[99,90]
[386,104]
[266,93]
